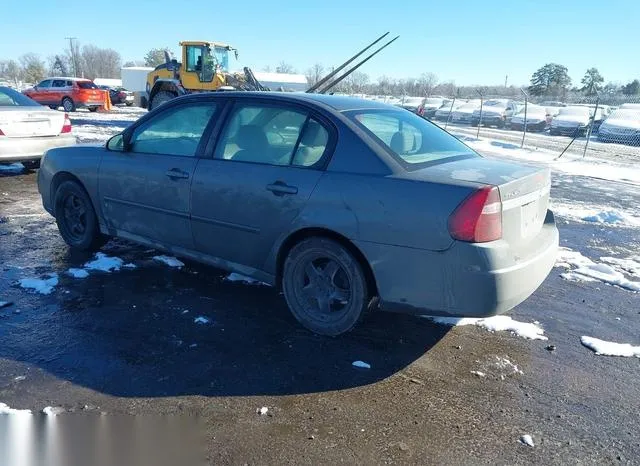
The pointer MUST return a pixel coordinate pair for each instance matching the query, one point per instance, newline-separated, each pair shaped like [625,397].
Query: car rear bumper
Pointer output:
[467,280]
[488,120]
[530,126]
[19,149]
[630,139]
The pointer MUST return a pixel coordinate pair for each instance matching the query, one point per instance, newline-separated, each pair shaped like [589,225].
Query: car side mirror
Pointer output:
[116,143]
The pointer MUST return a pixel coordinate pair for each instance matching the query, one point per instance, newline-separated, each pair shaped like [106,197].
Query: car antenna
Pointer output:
[338,80]
[341,67]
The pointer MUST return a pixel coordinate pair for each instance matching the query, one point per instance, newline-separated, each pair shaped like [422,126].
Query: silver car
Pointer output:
[348,205]
[27,129]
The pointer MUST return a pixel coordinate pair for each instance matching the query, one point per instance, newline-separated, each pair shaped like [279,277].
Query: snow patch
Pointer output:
[104,263]
[130,265]
[42,286]
[607,348]
[479,374]
[495,324]
[5,409]
[201,320]
[595,214]
[238,277]
[78,273]
[527,440]
[20,378]
[611,272]
[262,411]
[170,261]
[506,365]
[53,411]
[361,365]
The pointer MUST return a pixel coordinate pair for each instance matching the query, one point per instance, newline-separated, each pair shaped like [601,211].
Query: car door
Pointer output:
[144,189]
[267,161]
[41,92]
[57,90]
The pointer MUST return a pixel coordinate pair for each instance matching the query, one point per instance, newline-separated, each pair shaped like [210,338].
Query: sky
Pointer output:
[468,41]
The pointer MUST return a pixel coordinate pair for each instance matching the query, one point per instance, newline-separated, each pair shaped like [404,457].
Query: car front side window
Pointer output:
[46,83]
[174,132]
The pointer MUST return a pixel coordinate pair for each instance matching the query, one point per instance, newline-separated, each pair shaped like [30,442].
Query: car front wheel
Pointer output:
[324,286]
[76,219]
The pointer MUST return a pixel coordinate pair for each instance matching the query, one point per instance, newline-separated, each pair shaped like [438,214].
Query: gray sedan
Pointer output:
[27,129]
[348,205]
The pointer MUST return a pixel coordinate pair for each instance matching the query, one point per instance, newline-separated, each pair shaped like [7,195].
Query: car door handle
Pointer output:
[176,173]
[280,189]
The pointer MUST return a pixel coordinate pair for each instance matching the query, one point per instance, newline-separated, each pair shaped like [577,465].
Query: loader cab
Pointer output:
[204,65]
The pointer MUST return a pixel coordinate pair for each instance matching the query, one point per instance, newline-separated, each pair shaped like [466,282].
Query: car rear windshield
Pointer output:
[584,111]
[412,140]
[12,98]
[86,85]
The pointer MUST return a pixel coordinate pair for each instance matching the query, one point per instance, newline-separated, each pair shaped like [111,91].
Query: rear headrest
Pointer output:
[314,135]
[251,137]
[397,143]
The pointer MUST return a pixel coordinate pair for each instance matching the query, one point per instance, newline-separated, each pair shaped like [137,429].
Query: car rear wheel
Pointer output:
[93,109]
[324,286]
[76,219]
[68,105]
[161,98]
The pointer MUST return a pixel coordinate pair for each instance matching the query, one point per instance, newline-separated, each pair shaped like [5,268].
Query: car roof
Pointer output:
[335,102]
[68,78]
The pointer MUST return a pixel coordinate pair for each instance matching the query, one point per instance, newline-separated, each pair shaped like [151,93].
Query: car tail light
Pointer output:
[478,219]
[66,127]
[122,94]
[1,133]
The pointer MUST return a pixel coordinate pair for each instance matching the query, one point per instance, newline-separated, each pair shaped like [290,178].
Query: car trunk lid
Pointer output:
[30,123]
[524,190]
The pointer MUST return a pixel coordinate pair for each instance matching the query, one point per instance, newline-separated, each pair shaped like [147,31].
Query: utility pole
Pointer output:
[506,78]
[74,59]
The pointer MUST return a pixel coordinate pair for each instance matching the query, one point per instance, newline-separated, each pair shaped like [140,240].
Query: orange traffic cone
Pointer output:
[106,106]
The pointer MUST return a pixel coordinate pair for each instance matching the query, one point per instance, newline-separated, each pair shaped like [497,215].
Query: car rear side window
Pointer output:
[59,83]
[261,134]
[86,85]
[174,132]
[410,139]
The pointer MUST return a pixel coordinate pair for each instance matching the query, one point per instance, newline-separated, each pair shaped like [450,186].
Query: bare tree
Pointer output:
[33,66]
[285,67]
[10,69]
[266,69]
[426,83]
[74,58]
[100,63]
[314,74]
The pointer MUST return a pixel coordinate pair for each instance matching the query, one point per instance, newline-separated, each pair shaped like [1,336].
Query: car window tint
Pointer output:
[174,132]
[312,146]
[261,134]
[409,137]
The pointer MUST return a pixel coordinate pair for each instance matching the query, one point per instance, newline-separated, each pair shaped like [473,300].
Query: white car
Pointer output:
[442,114]
[574,120]
[27,129]
[622,126]
[537,118]
[411,103]
[495,112]
[430,105]
[464,113]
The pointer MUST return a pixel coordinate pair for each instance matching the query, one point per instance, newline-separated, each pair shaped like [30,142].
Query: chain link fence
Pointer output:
[595,126]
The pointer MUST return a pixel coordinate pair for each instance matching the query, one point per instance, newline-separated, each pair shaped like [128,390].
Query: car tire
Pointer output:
[76,218]
[160,98]
[129,104]
[68,105]
[324,286]
[93,109]
[53,107]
